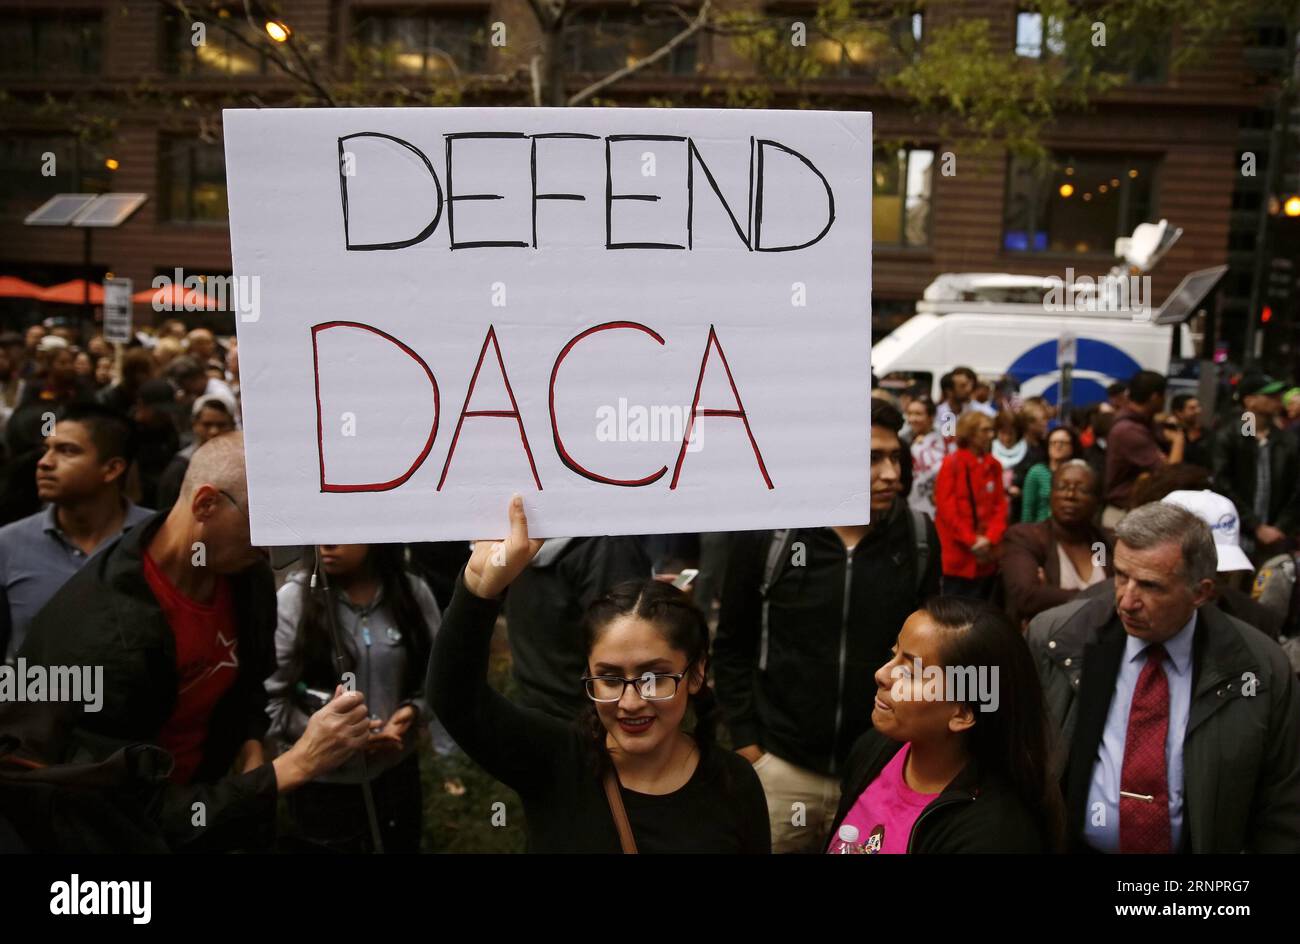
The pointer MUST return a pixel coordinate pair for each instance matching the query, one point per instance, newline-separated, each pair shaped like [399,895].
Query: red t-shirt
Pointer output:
[207,664]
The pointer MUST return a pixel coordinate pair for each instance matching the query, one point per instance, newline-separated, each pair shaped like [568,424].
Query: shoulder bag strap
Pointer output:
[625,838]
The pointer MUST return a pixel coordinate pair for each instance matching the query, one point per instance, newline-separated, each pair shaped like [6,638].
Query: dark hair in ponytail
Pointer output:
[312,658]
[685,629]
[1013,742]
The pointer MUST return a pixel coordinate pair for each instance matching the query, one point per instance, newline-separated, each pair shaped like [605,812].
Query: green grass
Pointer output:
[472,822]
[466,823]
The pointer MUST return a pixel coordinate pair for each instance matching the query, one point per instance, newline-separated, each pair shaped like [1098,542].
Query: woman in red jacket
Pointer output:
[970,510]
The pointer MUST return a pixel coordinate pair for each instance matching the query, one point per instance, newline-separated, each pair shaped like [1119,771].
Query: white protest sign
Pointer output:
[1067,350]
[117,310]
[642,320]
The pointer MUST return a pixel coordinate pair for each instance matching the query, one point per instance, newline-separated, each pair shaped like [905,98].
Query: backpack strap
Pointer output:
[771,567]
[921,541]
[773,562]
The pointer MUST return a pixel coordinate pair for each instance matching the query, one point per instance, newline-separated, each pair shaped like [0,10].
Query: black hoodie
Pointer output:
[803,686]
[972,814]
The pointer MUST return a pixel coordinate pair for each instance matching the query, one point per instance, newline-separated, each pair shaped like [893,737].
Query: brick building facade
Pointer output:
[127,75]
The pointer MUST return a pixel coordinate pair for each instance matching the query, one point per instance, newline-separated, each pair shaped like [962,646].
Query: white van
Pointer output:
[999,324]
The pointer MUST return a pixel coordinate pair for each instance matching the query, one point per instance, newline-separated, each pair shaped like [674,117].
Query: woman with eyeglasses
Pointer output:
[628,776]
[1062,446]
[1048,563]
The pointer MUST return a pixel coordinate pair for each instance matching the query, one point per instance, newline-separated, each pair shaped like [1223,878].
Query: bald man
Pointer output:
[181,615]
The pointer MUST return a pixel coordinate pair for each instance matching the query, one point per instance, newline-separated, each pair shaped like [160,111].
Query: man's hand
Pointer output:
[495,564]
[1267,534]
[334,733]
[752,753]
[982,549]
[250,757]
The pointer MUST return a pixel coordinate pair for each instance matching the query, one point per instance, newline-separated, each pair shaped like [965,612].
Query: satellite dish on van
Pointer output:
[1147,245]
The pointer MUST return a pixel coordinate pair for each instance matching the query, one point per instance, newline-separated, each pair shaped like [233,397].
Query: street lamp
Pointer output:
[278,31]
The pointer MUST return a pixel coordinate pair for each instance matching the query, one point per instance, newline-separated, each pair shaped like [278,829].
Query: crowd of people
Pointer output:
[1056,633]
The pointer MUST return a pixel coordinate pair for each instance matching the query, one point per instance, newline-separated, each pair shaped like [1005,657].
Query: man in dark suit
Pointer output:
[1180,725]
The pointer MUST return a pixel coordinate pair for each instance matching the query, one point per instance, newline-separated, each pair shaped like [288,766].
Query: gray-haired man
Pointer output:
[1180,725]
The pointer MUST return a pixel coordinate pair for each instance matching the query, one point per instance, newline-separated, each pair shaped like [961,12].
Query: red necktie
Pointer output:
[1144,824]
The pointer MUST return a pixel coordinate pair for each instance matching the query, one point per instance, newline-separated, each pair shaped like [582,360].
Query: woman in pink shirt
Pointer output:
[957,760]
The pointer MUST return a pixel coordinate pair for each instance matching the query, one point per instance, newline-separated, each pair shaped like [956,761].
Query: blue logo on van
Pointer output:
[1098,364]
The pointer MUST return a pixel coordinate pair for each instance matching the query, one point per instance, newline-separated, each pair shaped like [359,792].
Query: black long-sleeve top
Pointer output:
[550,763]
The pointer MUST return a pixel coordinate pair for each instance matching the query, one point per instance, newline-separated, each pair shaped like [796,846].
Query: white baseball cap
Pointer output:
[1225,524]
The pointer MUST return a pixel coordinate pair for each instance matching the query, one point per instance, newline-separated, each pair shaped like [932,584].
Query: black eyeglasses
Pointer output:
[652,686]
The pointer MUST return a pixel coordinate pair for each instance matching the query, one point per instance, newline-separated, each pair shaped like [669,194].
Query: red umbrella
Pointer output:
[175,298]
[11,287]
[73,293]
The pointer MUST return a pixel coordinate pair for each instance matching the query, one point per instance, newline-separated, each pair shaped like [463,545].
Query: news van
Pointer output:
[1022,326]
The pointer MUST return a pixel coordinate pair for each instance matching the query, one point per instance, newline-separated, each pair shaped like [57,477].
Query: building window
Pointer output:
[1077,203]
[34,168]
[192,176]
[50,45]
[393,43]
[602,40]
[1033,41]
[1142,58]
[900,201]
[228,44]
[862,47]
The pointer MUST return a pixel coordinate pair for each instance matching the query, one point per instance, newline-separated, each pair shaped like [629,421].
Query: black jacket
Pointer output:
[803,686]
[106,615]
[972,814]
[544,610]
[1235,456]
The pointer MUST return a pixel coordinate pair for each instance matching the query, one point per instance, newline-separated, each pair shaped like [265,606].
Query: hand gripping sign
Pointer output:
[643,320]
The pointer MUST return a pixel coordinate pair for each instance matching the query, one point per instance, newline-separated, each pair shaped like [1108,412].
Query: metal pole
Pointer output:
[336,643]
[1272,184]
[85,289]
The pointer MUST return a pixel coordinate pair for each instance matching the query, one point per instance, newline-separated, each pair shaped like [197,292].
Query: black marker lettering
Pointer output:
[452,198]
[758,205]
[611,196]
[343,192]
[533,168]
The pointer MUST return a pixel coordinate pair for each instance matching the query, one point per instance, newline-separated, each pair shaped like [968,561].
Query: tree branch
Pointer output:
[306,77]
[696,25]
[535,75]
